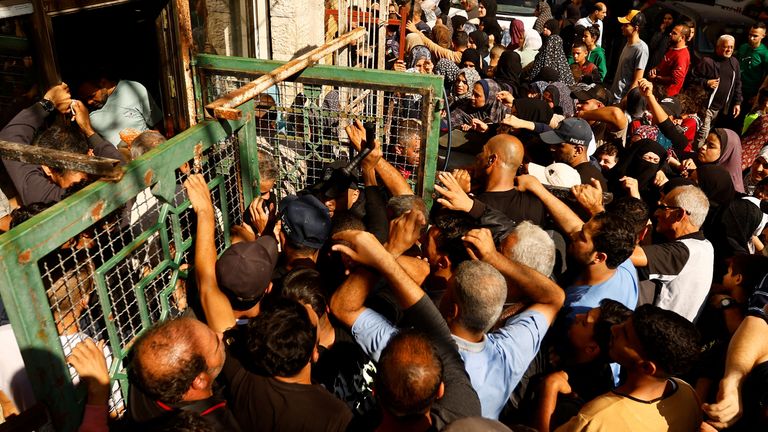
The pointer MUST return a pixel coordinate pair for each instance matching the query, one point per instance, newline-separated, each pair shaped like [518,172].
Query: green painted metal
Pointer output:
[22,286]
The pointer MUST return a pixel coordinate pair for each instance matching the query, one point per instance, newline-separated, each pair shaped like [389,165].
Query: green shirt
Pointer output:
[754,66]
[597,56]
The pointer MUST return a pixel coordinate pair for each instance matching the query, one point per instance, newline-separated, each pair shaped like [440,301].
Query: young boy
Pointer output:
[584,71]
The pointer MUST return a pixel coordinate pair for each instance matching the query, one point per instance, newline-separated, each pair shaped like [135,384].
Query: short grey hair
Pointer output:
[726,37]
[533,248]
[479,291]
[691,199]
[145,142]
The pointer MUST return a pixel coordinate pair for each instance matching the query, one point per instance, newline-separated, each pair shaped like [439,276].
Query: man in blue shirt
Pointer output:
[494,361]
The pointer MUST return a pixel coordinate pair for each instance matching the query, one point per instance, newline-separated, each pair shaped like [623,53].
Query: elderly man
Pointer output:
[682,267]
[720,74]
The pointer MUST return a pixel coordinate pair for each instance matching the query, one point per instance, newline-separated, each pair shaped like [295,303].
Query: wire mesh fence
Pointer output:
[127,271]
[302,126]
[114,258]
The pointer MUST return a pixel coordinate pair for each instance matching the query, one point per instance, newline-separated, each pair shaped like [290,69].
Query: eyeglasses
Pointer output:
[668,207]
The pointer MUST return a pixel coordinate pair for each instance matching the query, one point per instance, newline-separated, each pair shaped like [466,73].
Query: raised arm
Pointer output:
[523,282]
[610,114]
[746,350]
[216,306]
[568,221]
[389,175]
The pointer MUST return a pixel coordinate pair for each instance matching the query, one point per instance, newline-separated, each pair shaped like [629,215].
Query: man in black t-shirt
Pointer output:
[497,167]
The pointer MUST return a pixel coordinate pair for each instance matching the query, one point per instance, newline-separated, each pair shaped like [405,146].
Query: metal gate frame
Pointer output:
[21,285]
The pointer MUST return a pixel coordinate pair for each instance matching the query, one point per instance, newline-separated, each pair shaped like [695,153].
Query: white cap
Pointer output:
[556,174]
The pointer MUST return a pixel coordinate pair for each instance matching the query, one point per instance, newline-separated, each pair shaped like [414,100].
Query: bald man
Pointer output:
[496,167]
[173,366]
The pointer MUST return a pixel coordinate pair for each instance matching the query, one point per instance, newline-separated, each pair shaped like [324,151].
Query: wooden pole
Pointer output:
[108,169]
[225,106]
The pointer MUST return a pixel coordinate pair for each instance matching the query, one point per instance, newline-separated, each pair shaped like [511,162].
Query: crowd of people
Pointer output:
[598,266]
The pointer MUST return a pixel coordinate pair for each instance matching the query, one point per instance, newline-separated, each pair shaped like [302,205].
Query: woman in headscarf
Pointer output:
[449,70]
[441,35]
[516,34]
[471,58]
[485,106]
[461,96]
[480,40]
[534,110]
[530,47]
[488,22]
[543,14]
[507,72]
[641,162]
[722,147]
[421,60]
[558,95]
[552,55]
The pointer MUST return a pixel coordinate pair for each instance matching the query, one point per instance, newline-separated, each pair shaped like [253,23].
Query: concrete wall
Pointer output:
[297,26]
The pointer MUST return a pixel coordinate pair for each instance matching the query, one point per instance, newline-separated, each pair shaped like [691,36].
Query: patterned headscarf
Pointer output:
[448,70]
[561,96]
[492,112]
[552,55]
[545,14]
[472,77]
[417,53]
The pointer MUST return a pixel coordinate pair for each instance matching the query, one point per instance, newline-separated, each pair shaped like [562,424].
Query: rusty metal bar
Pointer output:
[225,106]
[103,167]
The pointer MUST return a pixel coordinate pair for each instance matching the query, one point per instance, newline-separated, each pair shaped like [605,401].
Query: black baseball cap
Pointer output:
[244,271]
[306,220]
[572,130]
[593,91]
[671,106]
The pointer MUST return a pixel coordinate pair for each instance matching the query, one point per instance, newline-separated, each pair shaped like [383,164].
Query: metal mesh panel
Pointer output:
[302,127]
[368,52]
[127,270]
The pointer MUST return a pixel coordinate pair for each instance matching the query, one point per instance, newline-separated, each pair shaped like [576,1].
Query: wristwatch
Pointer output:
[47,105]
[727,302]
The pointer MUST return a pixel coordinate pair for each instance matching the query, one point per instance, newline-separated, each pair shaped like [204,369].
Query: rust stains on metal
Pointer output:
[148,176]
[97,209]
[25,256]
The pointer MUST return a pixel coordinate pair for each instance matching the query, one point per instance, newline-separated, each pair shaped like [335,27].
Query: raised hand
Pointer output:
[479,243]
[453,196]
[404,231]
[60,96]
[198,193]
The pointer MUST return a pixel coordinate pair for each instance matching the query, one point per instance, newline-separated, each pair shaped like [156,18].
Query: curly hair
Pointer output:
[634,210]
[281,339]
[611,313]
[453,225]
[166,359]
[615,237]
[668,339]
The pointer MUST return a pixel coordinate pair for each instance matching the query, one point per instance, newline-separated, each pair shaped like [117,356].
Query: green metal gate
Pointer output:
[114,258]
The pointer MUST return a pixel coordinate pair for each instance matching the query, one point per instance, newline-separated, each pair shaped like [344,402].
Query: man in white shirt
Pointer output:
[597,14]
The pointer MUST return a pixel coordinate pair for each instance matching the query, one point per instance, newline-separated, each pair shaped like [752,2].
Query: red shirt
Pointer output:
[675,64]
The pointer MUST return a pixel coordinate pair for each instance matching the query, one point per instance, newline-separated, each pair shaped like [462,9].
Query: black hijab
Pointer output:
[481,42]
[535,110]
[490,24]
[632,164]
[471,54]
[508,70]
[716,183]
